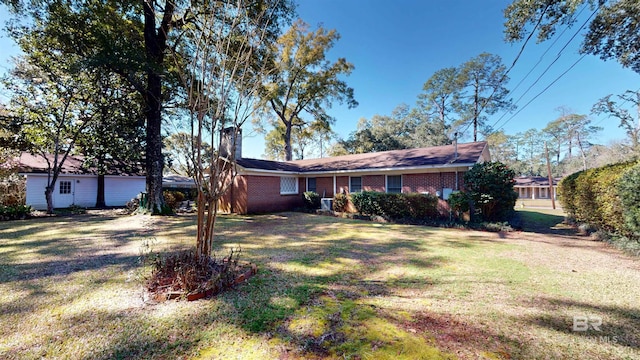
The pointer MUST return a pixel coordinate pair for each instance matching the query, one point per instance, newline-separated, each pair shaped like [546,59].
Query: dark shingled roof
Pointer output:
[29,163]
[534,181]
[468,153]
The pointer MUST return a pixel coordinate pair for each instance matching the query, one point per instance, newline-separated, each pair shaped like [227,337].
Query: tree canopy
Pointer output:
[133,40]
[614,32]
[303,82]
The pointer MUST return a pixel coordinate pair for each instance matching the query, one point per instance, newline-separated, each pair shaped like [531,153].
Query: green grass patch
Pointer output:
[326,288]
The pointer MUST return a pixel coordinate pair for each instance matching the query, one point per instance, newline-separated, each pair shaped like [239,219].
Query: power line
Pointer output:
[513,64]
[564,30]
[543,90]
[558,55]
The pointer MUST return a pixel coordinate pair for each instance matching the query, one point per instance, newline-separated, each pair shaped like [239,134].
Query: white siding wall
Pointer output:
[35,191]
[120,189]
[85,191]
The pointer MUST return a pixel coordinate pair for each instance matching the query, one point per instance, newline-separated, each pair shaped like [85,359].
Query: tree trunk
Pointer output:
[155,45]
[100,203]
[476,101]
[154,160]
[288,151]
[48,195]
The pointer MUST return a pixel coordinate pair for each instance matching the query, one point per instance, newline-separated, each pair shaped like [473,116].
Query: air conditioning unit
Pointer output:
[326,204]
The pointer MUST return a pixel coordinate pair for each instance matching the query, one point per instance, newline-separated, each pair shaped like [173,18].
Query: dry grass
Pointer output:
[326,288]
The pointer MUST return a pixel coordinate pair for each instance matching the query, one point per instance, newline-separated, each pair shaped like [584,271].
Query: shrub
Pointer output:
[14,212]
[592,197]
[173,199]
[459,202]
[311,200]
[490,188]
[422,206]
[340,202]
[604,198]
[628,190]
[567,194]
[393,206]
[12,190]
[396,206]
[366,202]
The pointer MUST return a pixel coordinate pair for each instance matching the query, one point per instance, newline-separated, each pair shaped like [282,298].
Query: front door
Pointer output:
[64,195]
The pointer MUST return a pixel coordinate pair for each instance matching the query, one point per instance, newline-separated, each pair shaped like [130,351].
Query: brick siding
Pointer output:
[263,195]
[324,186]
[430,182]
[373,183]
[342,184]
[259,194]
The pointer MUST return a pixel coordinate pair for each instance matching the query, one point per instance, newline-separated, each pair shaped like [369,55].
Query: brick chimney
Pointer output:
[231,144]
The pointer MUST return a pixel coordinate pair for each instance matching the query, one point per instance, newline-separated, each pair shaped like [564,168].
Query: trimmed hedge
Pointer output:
[629,192]
[395,206]
[606,197]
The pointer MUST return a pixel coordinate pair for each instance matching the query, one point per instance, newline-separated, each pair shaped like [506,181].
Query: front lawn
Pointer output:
[70,287]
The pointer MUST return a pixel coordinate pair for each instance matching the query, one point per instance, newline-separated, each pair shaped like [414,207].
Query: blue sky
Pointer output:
[397,45]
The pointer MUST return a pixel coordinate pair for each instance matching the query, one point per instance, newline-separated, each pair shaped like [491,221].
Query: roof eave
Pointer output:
[249,171]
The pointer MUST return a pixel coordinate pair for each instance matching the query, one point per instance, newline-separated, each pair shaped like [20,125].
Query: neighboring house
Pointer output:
[76,185]
[176,182]
[266,186]
[535,187]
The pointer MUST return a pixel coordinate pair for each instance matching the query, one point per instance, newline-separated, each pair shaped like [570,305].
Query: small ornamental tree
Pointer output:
[490,188]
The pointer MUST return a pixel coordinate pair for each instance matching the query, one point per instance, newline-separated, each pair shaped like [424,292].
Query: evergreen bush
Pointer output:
[340,202]
[490,187]
[628,190]
[311,200]
[395,206]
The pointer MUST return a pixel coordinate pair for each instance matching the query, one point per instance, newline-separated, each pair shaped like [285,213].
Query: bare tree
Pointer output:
[221,74]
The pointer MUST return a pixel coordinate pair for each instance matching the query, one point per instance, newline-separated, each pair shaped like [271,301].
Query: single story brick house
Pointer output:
[269,186]
[535,187]
[76,185]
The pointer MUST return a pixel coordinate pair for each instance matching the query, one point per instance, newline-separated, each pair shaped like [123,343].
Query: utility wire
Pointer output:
[564,30]
[544,72]
[543,90]
[513,64]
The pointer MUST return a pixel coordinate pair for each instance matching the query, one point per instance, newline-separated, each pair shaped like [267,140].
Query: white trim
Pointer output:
[306,185]
[335,186]
[289,192]
[360,172]
[386,182]
[361,189]
[83,175]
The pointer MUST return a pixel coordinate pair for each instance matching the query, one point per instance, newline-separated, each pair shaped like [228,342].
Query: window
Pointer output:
[311,184]
[288,185]
[543,193]
[394,184]
[355,184]
[65,187]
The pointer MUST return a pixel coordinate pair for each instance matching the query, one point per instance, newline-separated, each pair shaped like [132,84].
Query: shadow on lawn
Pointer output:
[618,325]
[314,293]
[542,223]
